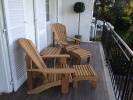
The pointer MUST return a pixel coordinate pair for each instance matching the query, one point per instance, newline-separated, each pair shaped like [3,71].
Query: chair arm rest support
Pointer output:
[54,71]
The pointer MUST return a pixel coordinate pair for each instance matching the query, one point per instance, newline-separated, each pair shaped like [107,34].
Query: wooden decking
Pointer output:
[84,90]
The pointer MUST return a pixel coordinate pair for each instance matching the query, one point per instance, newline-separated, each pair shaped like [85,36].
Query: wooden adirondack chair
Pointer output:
[59,31]
[52,76]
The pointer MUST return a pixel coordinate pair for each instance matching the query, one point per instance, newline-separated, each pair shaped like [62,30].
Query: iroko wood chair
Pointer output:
[59,31]
[55,76]
[52,76]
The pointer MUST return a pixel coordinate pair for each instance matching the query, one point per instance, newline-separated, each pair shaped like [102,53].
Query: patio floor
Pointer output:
[84,90]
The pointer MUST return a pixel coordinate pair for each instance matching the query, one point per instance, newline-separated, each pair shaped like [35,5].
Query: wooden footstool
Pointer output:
[84,72]
[51,51]
[81,54]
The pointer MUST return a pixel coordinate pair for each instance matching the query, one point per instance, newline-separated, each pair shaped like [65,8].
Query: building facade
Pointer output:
[33,19]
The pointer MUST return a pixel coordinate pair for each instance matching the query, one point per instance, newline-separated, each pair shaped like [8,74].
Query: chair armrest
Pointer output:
[74,39]
[56,56]
[61,42]
[54,71]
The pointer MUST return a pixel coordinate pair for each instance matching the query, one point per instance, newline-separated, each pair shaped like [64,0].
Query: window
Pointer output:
[47,10]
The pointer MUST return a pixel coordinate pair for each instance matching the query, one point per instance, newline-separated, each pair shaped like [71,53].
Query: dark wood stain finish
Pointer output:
[84,90]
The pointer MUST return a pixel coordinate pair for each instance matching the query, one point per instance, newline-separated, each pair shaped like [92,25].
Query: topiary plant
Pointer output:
[79,7]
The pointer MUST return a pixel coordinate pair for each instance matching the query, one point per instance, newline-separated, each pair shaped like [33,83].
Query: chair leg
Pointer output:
[54,61]
[71,58]
[34,74]
[29,74]
[65,84]
[88,59]
[79,61]
[94,83]
[63,50]
[63,61]
[29,80]
[75,84]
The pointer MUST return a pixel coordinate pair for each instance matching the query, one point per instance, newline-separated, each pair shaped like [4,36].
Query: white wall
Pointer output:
[59,14]
[49,33]
[5,73]
[70,18]
[52,20]
[53,11]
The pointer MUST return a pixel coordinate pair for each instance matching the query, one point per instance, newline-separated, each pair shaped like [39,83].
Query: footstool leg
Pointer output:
[75,84]
[79,61]
[71,57]
[94,83]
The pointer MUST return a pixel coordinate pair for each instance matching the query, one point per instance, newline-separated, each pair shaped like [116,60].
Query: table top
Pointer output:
[51,51]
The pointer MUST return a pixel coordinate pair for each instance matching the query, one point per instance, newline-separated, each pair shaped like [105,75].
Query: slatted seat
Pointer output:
[60,34]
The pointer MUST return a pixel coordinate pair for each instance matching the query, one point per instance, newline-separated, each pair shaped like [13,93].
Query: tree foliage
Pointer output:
[119,15]
[100,9]
[129,37]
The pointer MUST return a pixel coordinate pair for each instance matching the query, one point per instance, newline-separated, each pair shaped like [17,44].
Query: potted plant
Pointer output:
[79,7]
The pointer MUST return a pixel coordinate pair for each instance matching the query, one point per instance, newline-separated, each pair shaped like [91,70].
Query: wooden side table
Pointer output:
[51,51]
[81,54]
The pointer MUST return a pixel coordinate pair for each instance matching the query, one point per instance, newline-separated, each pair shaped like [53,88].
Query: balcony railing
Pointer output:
[119,58]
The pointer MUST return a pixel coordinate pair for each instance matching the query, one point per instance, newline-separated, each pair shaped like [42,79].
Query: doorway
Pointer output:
[20,23]
[5,72]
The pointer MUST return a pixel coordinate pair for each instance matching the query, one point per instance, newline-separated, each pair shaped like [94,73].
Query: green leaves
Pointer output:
[79,7]
[129,37]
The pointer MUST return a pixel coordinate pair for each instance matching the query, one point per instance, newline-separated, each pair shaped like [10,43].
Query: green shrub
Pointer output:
[129,37]
[118,16]
[123,23]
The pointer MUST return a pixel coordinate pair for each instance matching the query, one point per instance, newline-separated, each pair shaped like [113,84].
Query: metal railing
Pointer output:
[96,30]
[119,58]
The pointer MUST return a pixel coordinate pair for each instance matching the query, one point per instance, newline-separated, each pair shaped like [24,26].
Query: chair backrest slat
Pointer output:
[32,52]
[60,32]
